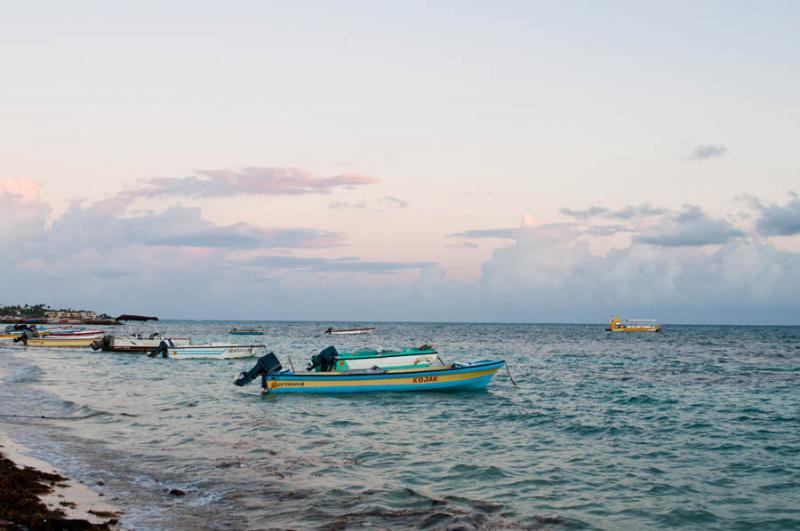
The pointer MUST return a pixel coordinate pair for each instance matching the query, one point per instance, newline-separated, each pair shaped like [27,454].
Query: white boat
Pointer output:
[136,343]
[68,333]
[332,360]
[207,352]
[350,331]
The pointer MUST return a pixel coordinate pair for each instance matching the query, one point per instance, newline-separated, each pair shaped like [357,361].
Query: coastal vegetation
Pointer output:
[43,311]
[37,310]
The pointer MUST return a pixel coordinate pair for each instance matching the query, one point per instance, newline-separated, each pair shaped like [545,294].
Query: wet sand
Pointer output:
[35,495]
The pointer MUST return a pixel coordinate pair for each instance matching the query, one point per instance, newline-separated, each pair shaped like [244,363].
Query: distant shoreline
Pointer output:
[102,322]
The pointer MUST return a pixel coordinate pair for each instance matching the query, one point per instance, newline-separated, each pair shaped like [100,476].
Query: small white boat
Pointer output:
[67,333]
[207,352]
[350,331]
[136,343]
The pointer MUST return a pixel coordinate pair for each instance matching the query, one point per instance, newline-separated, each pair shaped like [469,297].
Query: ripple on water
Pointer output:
[694,428]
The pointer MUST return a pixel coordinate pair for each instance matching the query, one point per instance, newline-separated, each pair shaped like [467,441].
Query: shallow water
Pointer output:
[696,427]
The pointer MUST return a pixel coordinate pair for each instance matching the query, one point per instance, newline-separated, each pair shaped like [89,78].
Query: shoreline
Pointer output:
[47,496]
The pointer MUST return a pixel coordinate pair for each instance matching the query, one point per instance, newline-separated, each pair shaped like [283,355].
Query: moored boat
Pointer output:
[64,341]
[15,331]
[350,331]
[246,332]
[330,359]
[207,352]
[94,334]
[456,376]
[136,343]
[633,325]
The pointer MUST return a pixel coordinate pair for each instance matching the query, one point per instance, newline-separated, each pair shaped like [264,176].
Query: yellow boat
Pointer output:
[14,331]
[81,342]
[633,325]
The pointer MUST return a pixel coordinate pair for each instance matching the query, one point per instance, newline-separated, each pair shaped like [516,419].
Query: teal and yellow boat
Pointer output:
[455,376]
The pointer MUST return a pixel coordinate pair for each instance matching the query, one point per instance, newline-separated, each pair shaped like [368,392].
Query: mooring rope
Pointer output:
[508,370]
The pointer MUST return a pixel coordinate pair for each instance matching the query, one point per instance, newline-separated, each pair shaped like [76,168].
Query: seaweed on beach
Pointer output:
[21,506]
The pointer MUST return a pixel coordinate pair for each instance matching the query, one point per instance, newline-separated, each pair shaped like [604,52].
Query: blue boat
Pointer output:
[456,376]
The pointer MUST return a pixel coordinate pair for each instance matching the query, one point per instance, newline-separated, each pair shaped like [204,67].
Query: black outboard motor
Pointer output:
[265,365]
[162,349]
[325,360]
[102,343]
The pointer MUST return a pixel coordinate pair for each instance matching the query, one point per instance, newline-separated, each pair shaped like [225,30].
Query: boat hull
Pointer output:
[406,361]
[451,377]
[78,342]
[93,334]
[350,331]
[139,344]
[215,352]
[636,329]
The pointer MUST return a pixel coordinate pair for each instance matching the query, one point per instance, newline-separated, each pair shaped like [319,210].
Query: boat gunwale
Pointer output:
[454,368]
[215,346]
[392,354]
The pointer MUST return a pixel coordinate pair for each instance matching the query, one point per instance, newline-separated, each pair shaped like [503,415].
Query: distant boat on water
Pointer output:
[350,331]
[246,332]
[633,325]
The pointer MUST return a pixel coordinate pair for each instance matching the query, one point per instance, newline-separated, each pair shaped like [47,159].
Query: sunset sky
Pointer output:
[447,161]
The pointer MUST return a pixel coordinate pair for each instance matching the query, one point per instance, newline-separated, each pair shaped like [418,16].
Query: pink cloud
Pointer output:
[23,189]
[249,180]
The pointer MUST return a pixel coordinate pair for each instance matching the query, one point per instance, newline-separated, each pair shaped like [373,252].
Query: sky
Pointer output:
[417,161]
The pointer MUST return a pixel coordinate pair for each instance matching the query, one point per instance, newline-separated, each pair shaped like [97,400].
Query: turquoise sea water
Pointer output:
[697,427]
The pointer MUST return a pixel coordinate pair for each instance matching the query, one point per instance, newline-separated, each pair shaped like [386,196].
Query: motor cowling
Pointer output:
[325,361]
[101,344]
[162,349]
[265,365]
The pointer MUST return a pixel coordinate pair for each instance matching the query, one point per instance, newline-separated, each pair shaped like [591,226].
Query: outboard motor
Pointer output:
[162,349]
[265,365]
[102,343]
[329,330]
[325,360]
[22,337]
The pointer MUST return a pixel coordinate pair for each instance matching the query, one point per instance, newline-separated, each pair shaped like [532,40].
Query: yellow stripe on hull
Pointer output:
[52,342]
[9,336]
[311,381]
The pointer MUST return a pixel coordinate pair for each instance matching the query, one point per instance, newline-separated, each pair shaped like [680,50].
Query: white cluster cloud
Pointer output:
[549,271]
[777,220]
[680,266]
[690,227]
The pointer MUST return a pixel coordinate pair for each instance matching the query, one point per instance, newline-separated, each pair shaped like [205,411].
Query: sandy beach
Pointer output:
[62,502]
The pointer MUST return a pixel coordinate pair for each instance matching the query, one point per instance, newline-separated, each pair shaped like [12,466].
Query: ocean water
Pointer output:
[697,427]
